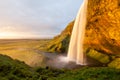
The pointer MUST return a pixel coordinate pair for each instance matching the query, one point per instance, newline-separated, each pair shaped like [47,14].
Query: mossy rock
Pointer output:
[115,63]
[103,58]
[60,43]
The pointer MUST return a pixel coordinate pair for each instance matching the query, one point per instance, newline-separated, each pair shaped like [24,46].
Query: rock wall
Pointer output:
[102,30]
[102,36]
[103,27]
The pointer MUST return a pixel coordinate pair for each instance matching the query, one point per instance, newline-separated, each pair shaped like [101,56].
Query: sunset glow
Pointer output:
[15,35]
[38,19]
[9,35]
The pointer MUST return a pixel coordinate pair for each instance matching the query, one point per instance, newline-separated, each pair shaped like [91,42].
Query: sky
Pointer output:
[36,18]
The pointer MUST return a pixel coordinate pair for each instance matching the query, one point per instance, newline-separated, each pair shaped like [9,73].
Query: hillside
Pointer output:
[60,43]
[102,36]
[15,70]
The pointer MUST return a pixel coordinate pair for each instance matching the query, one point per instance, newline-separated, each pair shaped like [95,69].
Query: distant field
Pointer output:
[24,50]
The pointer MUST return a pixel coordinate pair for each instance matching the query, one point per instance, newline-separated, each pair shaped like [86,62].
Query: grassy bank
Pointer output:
[15,70]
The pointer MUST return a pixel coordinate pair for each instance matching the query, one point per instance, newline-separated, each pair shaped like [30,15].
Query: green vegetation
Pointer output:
[15,70]
[60,43]
[103,58]
[87,73]
[115,63]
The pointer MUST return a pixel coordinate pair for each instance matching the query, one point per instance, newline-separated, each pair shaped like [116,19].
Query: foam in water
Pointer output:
[75,52]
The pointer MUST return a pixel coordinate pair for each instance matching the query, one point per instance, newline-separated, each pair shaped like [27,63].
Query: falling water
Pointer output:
[75,52]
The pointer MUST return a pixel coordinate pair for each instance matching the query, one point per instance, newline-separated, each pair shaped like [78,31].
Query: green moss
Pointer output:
[87,73]
[115,63]
[103,58]
[60,43]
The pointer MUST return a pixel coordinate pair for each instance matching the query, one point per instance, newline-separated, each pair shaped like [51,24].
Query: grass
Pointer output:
[24,50]
[90,73]
[15,70]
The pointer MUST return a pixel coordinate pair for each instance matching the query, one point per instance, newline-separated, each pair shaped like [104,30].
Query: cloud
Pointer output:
[38,17]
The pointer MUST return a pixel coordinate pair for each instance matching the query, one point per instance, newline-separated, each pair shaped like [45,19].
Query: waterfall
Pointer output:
[75,51]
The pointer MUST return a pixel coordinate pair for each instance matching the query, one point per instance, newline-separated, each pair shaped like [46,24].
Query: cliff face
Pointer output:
[102,30]
[103,27]
[102,35]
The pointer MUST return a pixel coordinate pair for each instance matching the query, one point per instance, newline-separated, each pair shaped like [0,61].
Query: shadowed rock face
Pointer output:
[102,30]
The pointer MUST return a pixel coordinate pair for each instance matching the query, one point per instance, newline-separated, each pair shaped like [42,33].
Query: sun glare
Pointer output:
[7,35]
[17,35]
